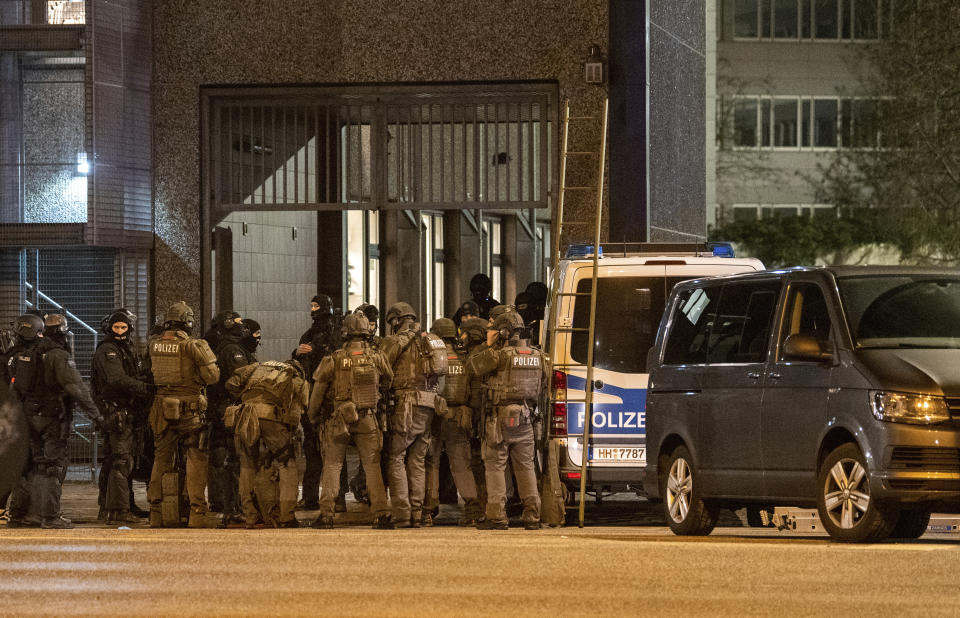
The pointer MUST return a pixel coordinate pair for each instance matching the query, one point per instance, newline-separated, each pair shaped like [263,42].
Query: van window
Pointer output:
[741,329]
[693,316]
[628,313]
[807,313]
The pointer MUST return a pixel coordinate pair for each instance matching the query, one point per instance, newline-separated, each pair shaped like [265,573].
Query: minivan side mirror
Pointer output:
[805,348]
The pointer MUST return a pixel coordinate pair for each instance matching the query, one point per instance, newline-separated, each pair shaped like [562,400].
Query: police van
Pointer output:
[632,290]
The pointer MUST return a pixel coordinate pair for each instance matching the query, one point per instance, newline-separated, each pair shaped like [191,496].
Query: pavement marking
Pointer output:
[62,565]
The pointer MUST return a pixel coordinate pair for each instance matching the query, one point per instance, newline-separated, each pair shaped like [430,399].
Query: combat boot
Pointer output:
[492,524]
[24,522]
[122,517]
[427,519]
[322,523]
[200,519]
[57,523]
[290,523]
[383,522]
[531,525]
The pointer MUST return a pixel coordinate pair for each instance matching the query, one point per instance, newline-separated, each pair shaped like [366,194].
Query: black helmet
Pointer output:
[29,326]
[475,329]
[120,315]
[356,325]
[400,310]
[480,285]
[444,328]
[370,312]
[325,305]
[55,323]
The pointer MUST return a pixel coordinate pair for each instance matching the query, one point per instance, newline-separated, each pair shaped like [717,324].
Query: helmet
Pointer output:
[325,305]
[444,328]
[120,315]
[55,323]
[370,311]
[500,310]
[356,325]
[251,325]
[469,308]
[480,285]
[507,322]
[226,320]
[400,310]
[180,312]
[29,326]
[474,328]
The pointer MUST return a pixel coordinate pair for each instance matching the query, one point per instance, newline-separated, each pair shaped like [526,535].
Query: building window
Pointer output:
[363,257]
[544,241]
[820,20]
[432,272]
[825,123]
[65,12]
[745,122]
[491,254]
[744,213]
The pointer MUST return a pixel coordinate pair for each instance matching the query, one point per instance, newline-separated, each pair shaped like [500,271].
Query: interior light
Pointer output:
[83,166]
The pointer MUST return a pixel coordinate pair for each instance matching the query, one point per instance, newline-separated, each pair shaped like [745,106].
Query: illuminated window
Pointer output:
[65,12]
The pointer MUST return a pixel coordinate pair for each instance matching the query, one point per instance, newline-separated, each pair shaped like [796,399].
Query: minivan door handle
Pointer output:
[754,375]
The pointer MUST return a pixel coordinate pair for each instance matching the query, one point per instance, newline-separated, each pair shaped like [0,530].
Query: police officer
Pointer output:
[468,309]
[456,428]
[183,366]
[480,288]
[119,390]
[44,377]
[473,339]
[251,340]
[517,374]
[274,396]
[415,388]
[319,340]
[352,377]
[224,467]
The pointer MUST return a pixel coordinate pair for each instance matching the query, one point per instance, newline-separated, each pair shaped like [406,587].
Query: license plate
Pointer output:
[603,454]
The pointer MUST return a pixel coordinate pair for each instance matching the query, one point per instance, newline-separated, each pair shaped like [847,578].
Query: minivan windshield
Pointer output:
[902,311]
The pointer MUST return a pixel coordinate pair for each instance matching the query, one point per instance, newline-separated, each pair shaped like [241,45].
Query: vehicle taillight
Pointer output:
[558,419]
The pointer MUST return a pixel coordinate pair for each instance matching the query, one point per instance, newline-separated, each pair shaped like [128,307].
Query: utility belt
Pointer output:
[407,400]
[346,413]
[504,416]
[50,406]
[174,408]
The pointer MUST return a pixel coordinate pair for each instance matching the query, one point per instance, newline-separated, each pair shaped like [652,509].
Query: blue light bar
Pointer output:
[581,251]
[722,249]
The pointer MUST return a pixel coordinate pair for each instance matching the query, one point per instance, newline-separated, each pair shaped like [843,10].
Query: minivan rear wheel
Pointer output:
[686,512]
[846,506]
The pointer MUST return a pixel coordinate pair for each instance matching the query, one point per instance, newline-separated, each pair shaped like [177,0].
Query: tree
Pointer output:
[905,154]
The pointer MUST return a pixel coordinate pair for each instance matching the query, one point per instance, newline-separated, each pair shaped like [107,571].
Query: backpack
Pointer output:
[25,369]
[279,382]
[432,356]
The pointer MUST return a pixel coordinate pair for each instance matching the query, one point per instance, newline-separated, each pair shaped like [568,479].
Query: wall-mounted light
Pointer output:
[593,68]
[83,166]
[293,235]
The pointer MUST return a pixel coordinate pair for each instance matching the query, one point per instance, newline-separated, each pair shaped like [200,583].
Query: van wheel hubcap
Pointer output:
[846,493]
[679,487]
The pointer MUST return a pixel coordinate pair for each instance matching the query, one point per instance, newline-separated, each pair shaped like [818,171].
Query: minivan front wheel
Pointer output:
[846,506]
[687,514]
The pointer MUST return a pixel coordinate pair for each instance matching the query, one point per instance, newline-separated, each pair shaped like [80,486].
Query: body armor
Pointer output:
[279,384]
[518,379]
[456,386]
[174,364]
[357,378]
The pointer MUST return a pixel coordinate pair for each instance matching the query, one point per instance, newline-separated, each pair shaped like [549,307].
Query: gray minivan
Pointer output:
[836,388]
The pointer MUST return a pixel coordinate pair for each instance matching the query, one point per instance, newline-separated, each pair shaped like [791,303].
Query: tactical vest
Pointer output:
[432,360]
[278,384]
[171,361]
[356,377]
[519,377]
[456,386]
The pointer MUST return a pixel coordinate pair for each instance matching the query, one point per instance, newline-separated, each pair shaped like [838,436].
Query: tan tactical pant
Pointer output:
[518,446]
[366,434]
[456,442]
[406,499]
[270,475]
[185,430]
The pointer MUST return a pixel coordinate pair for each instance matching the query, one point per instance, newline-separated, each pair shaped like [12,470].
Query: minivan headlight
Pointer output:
[903,408]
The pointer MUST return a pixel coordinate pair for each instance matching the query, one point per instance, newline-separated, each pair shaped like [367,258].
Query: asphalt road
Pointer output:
[456,571]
